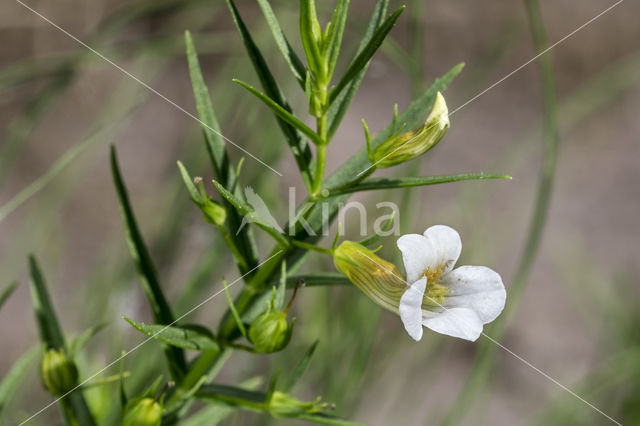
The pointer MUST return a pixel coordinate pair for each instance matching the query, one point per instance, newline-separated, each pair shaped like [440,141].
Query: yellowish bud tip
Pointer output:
[412,144]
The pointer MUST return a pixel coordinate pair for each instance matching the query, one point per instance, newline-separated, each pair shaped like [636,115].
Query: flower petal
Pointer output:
[457,322]
[410,308]
[477,288]
[417,255]
[445,245]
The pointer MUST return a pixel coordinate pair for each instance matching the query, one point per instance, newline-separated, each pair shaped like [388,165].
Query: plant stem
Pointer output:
[487,352]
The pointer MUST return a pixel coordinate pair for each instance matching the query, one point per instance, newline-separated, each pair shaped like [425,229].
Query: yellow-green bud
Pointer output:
[270,331]
[59,374]
[380,280]
[142,412]
[284,405]
[409,145]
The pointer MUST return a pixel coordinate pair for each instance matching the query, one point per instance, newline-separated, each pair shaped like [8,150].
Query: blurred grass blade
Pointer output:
[233,309]
[7,292]
[363,58]
[79,342]
[300,368]
[339,107]
[294,62]
[251,215]
[408,182]
[335,34]
[186,337]
[12,379]
[37,185]
[299,147]
[317,280]
[146,270]
[218,156]
[281,112]
[48,325]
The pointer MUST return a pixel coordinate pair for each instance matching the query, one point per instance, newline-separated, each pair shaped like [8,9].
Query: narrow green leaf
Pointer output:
[300,368]
[196,338]
[48,325]
[317,280]
[218,156]
[230,393]
[15,375]
[339,107]
[335,34]
[146,270]
[233,309]
[282,287]
[326,419]
[363,58]
[7,292]
[188,182]
[251,215]
[294,62]
[299,147]
[215,144]
[52,336]
[372,184]
[311,36]
[281,112]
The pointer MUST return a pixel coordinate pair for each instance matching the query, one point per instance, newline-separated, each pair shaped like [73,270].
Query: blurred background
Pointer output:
[577,318]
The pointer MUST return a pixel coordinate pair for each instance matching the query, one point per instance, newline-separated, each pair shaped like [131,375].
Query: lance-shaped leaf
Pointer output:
[195,338]
[52,336]
[311,36]
[339,106]
[251,215]
[333,37]
[300,369]
[146,270]
[295,64]
[363,58]
[218,156]
[281,112]
[48,325]
[7,292]
[299,147]
[79,342]
[373,184]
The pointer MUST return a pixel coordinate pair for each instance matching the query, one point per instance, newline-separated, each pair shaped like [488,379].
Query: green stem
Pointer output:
[486,356]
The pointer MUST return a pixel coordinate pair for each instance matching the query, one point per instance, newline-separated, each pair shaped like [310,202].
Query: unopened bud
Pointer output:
[142,412]
[59,374]
[409,145]
[379,279]
[270,332]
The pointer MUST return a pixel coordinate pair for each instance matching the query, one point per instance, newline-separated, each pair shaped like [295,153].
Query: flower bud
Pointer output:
[380,280]
[284,405]
[142,412]
[59,374]
[409,145]
[270,331]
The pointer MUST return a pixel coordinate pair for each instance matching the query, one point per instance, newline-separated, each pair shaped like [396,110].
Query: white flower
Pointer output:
[456,302]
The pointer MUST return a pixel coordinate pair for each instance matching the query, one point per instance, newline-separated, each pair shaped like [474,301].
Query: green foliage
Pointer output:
[196,338]
[7,292]
[260,303]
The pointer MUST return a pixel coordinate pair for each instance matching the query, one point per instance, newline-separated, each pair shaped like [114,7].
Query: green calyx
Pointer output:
[270,331]
[409,145]
[284,405]
[142,412]
[59,374]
